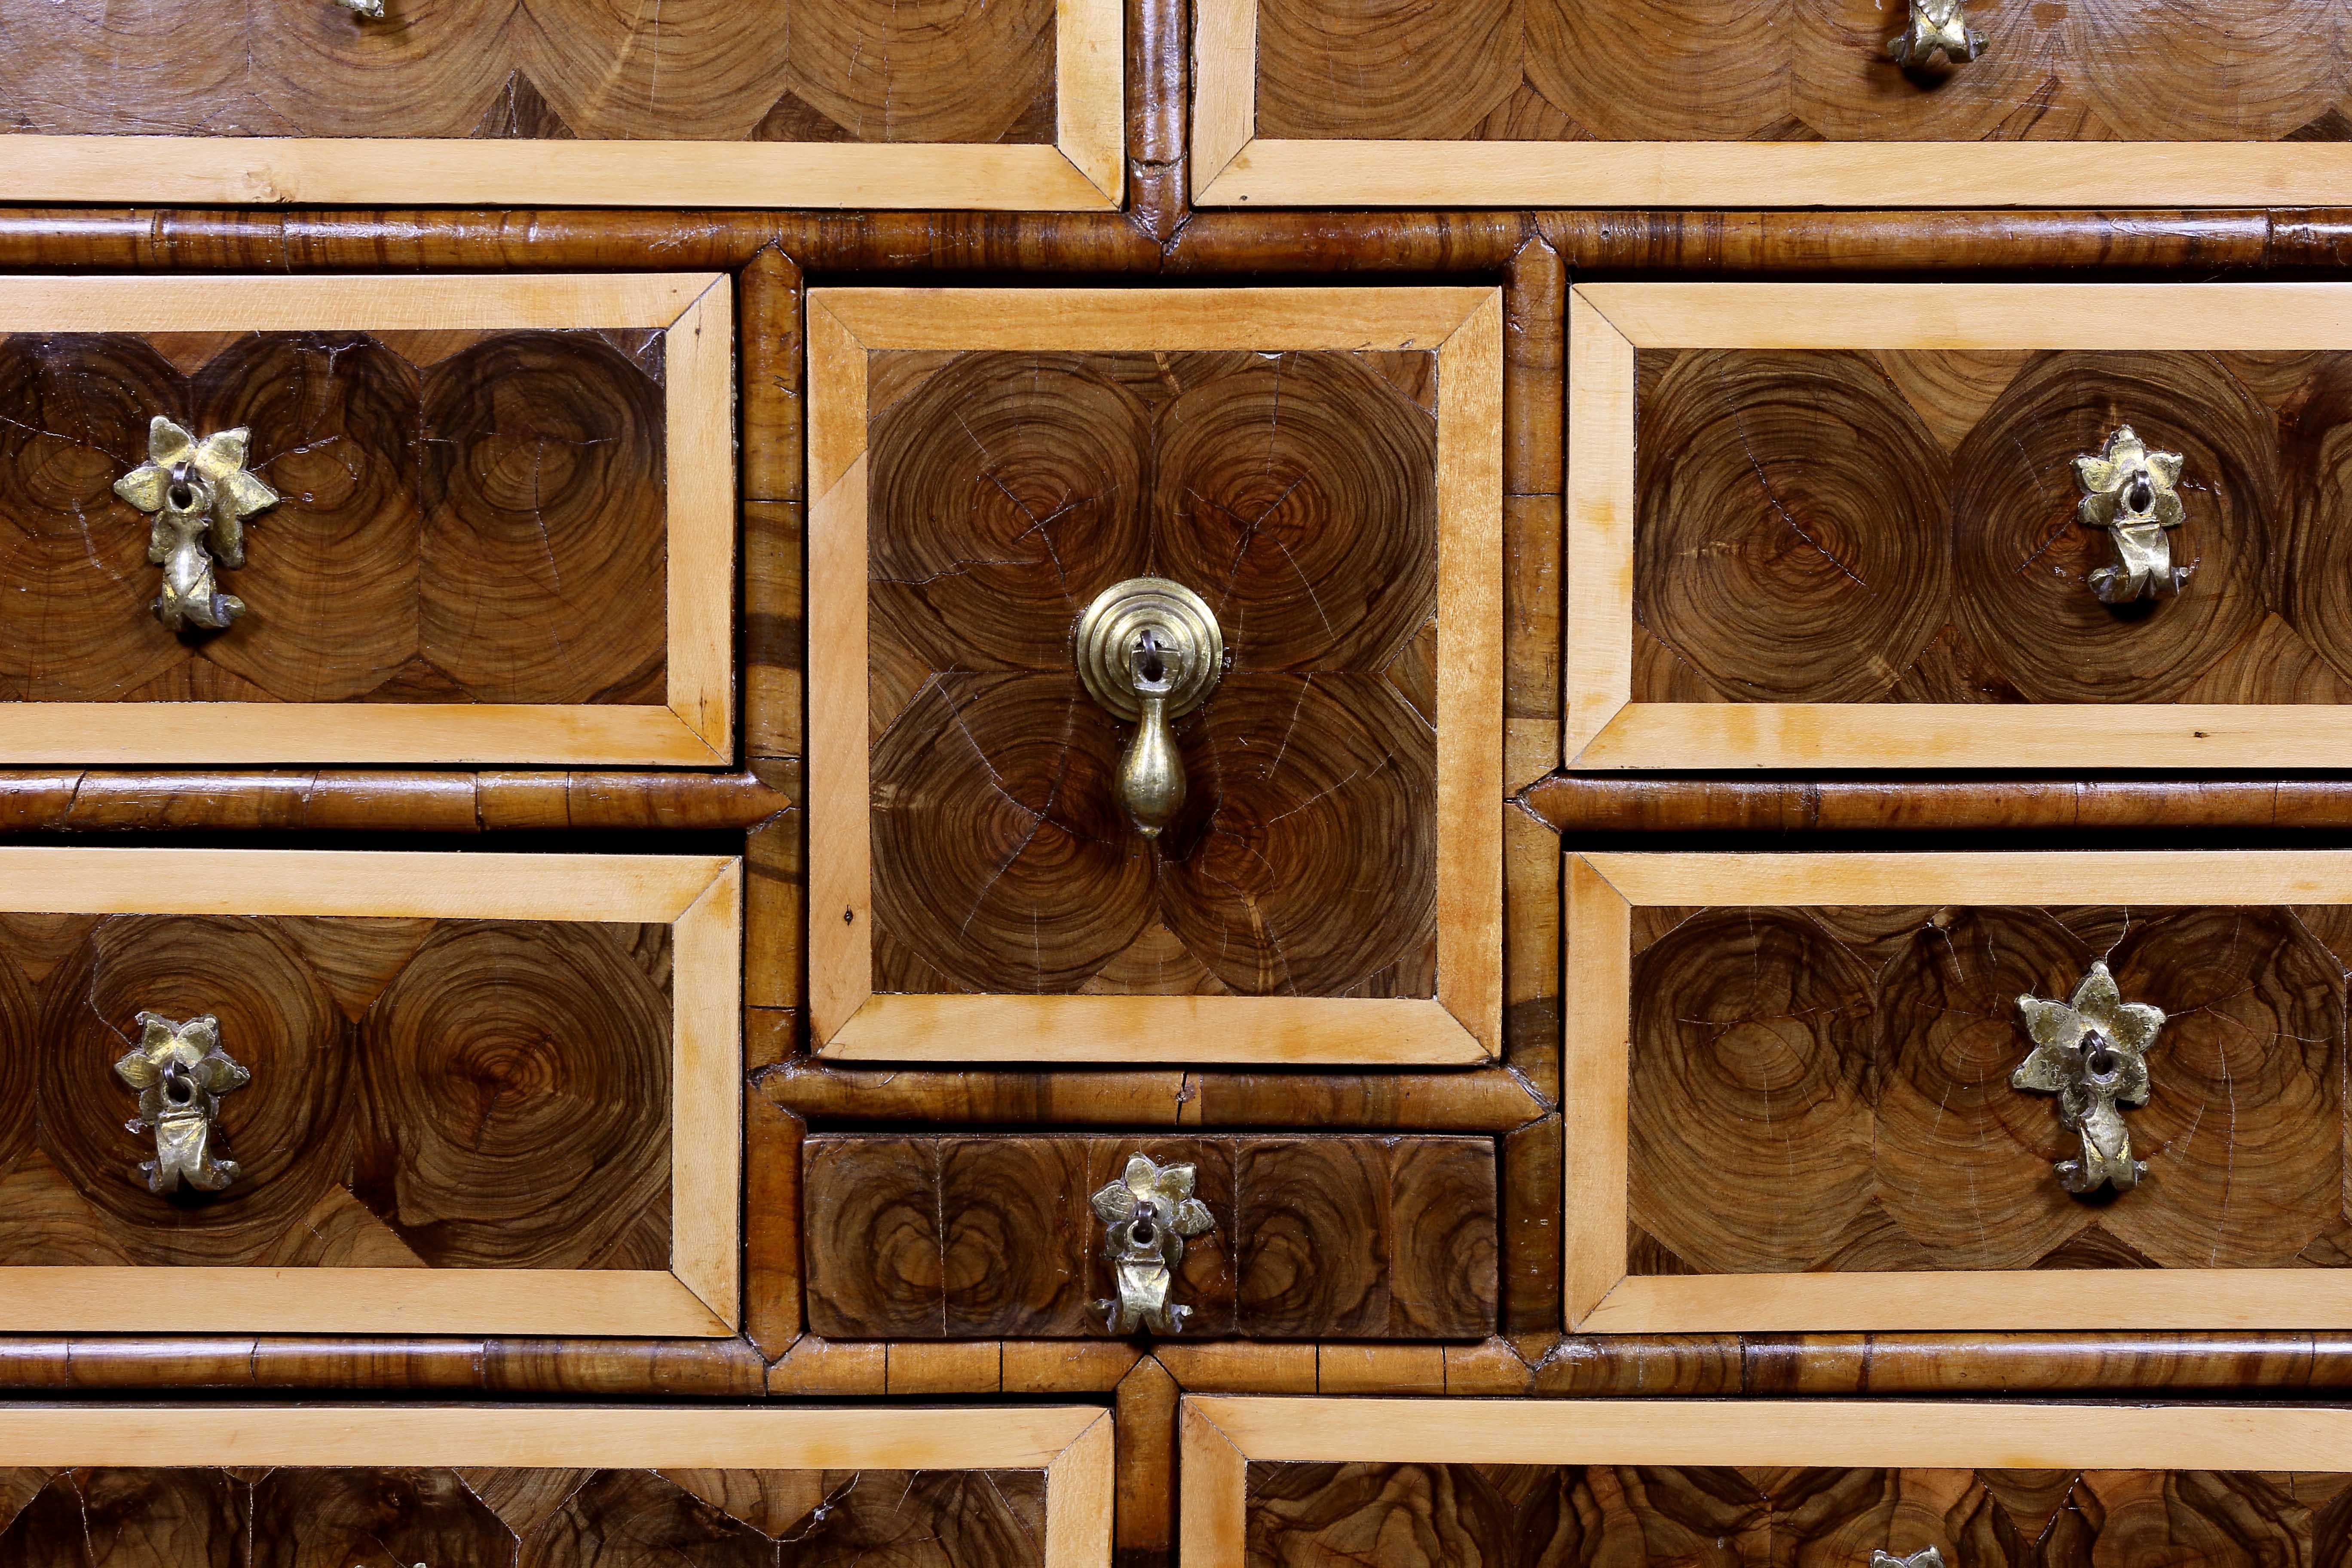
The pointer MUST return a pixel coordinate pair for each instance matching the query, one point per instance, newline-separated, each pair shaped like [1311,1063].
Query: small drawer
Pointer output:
[1957,1092]
[1768,104]
[367,520]
[1006,1236]
[1862,525]
[1334,1483]
[1292,851]
[781,104]
[468,1487]
[342,1093]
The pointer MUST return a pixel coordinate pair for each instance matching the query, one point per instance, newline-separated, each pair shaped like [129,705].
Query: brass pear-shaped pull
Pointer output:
[1935,26]
[2133,494]
[1150,650]
[180,1072]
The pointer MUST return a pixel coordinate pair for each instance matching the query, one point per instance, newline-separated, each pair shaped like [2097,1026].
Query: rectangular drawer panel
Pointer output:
[503,524]
[1323,1483]
[1852,526]
[1316,474]
[438,1093]
[147,1487]
[1852,1091]
[995,1236]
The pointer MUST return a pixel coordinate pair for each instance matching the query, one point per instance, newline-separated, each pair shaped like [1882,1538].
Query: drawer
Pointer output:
[1581,103]
[787,103]
[1825,526]
[1295,495]
[343,1092]
[1322,1483]
[473,1486]
[1957,1091]
[1315,1237]
[471,519]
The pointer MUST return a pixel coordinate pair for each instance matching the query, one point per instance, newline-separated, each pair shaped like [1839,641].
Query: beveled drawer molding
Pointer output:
[484,1093]
[1858,525]
[1572,104]
[505,530]
[573,103]
[1318,1483]
[1798,1095]
[1005,1487]
[1003,867]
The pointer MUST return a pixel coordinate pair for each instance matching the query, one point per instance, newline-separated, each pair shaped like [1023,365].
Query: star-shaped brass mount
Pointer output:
[1150,1210]
[1926,1557]
[2133,494]
[180,1072]
[2092,1053]
[200,495]
[1936,25]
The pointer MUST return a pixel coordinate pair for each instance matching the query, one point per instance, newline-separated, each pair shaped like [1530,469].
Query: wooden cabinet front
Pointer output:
[464,1093]
[472,1487]
[1322,1483]
[1311,1237]
[1579,102]
[503,524]
[1845,526]
[1321,469]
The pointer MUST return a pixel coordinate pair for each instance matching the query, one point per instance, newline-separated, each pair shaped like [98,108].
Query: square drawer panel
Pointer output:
[783,103]
[1323,1483]
[1872,526]
[1300,492]
[1765,103]
[459,1486]
[479,520]
[343,1092]
[1010,1236]
[1957,1092]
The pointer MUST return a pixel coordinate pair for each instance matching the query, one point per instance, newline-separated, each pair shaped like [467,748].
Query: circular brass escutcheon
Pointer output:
[1112,627]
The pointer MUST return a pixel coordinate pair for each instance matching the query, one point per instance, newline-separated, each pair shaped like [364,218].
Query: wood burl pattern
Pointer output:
[692,70]
[466,517]
[1301,1515]
[1831,526]
[450,1094]
[515,1517]
[1798,70]
[1295,493]
[993,1237]
[1828,1089]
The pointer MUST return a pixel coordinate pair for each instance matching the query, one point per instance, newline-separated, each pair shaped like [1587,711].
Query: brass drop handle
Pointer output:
[1936,25]
[370,9]
[2133,494]
[2091,1051]
[200,495]
[1150,650]
[1148,1213]
[180,1072]
[1926,1557]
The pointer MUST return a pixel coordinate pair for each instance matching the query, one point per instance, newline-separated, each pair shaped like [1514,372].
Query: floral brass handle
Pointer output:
[1936,25]
[2133,493]
[1150,650]
[180,1072]
[1149,1211]
[1928,1557]
[200,495]
[2092,1053]
[370,9]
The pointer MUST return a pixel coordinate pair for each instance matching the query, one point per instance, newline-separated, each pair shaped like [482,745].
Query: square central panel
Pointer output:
[1298,861]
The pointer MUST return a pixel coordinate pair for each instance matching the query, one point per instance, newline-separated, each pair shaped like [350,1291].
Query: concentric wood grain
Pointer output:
[987,1237]
[1330,67]
[1650,73]
[924,71]
[1296,493]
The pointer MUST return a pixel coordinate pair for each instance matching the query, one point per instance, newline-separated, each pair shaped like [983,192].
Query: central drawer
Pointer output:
[343,1092]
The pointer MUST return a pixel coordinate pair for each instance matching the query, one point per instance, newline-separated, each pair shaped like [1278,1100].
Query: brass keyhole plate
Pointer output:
[1110,628]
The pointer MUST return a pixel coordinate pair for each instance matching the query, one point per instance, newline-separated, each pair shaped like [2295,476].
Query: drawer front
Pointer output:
[801,102]
[1569,103]
[1011,1237]
[1319,1482]
[1862,526]
[1323,884]
[476,519]
[501,1099]
[258,1487]
[1895,1092]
